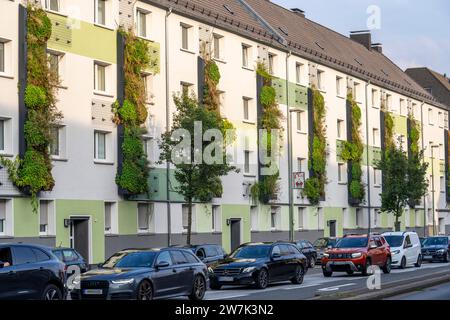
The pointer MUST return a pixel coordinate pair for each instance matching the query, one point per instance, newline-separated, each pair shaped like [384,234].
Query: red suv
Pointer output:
[356,253]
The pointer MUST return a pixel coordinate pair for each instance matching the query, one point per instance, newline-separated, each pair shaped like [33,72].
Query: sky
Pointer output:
[414,33]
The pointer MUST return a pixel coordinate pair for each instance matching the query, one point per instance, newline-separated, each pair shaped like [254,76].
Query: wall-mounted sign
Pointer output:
[299,180]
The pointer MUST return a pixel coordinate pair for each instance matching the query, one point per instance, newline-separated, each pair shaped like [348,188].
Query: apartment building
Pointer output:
[86,210]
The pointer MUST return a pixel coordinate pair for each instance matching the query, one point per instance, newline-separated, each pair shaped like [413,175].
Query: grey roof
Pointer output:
[261,20]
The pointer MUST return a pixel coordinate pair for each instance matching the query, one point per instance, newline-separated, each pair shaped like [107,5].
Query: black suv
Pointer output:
[309,251]
[436,249]
[209,254]
[30,272]
[260,264]
[71,258]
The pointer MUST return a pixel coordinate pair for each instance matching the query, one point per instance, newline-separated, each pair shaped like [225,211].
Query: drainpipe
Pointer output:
[368,161]
[423,160]
[290,153]
[166,44]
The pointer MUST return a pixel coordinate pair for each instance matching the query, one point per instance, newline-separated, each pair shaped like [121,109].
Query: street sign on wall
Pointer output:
[299,180]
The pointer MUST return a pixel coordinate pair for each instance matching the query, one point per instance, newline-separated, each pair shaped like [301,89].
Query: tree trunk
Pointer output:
[397,222]
[189,231]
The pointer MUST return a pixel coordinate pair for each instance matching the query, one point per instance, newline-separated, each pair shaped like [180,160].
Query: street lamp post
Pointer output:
[432,187]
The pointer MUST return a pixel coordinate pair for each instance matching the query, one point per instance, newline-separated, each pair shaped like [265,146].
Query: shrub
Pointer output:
[35,97]
[268,95]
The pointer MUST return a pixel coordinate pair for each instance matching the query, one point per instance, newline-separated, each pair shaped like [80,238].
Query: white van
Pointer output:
[406,249]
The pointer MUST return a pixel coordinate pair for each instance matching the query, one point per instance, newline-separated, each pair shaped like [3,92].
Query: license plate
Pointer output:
[339,263]
[428,257]
[93,291]
[226,279]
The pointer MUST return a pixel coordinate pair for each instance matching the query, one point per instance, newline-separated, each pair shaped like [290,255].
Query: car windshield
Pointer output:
[435,241]
[251,252]
[130,260]
[352,243]
[321,243]
[394,241]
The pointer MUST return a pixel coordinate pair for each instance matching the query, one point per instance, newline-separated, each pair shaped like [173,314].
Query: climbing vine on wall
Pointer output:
[271,119]
[132,115]
[315,185]
[33,172]
[353,151]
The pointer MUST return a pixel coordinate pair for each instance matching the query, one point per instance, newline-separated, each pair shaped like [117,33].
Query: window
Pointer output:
[216,219]
[430,117]
[271,63]
[340,129]
[356,93]
[111,218]
[2,217]
[339,86]
[375,137]
[346,218]
[141,23]
[55,141]
[374,98]
[246,162]
[320,80]
[301,121]
[254,218]
[441,119]
[246,111]
[301,218]
[53,60]
[377,177]
[23,255]
[217,46]
[52,5]
[245,55]
[185,217]
[442,184]
[148,86]
[320,220]
[275,218]
[100,145]
[2,57]
[145,217]
[164,257]
[100,12]
[178,257]
[416,110]
[441,151]
[341,173]
[298,72]
[186,88]
[403,110]
[2,135]
[46,217]
[185,36]
[389,102]
[99,77]
[359,218]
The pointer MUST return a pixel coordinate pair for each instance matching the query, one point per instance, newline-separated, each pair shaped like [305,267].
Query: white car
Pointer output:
[406,249]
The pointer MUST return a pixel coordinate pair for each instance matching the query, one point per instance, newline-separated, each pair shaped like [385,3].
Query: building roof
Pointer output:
[438,83]
[284,29]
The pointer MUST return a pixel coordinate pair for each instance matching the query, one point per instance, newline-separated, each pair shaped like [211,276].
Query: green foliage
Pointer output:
[212,71]
[268,95]
[35,97]
[128,114]
[266,189]
[315,185]
[39,25]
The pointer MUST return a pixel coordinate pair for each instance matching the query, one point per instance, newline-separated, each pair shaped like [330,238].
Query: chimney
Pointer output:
[363,37]
[299,12]
[377,47]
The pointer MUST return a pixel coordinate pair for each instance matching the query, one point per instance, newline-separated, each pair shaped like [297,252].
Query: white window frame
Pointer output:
[246,108]
[246,54]
[340,129]
[8,222]
[62,147]
[254,218]
[247,162]
[301,121]
[97,134]
[301,218]
[186,87]
[271,63]
[105,7]
[320,79]
[430,117]
[374,100]
[339,81]
[2,57]
[377,177]
[299,72]
[151,218]
[218,46]
[51,217]
[275,218]
[142,13]
[216,216]
[186,31]
[7,58]
[376,137]
[356,91]
[342,177]
[48,4]
[114,218]
[98,87]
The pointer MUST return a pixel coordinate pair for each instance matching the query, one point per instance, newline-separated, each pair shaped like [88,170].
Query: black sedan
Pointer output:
[260,264]
[436,249]
[309,251]
[209,254]
[144,275]
[30,272]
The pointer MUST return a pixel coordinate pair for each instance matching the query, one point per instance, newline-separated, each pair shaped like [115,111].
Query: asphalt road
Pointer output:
[316,284]
[441,292]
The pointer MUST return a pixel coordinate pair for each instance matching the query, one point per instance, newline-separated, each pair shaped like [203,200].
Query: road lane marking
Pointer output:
[336,288]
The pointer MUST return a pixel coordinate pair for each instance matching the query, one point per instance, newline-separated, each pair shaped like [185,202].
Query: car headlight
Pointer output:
[396,252]
[122,281]
[356,255]
[76,281]
[441,251]
[326,255]
[249,269]
[210,270]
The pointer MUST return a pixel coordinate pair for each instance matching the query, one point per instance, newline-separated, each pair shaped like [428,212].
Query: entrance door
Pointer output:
[333,228]
[79,236]
[235,233]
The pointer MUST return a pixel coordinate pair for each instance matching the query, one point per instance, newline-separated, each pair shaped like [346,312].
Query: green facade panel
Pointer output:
[374,153]
[298,95]
[400,124]
[26,222]
[127,217]
[235,212]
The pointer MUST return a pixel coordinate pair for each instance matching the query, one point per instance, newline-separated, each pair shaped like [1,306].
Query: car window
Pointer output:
[293,250]
[58,254]
[23,255]
[40,255]
[308,244]
[277,250]
[178,257]
[408,241]
[251,252]
[136,260]
[200,253]
[352,242]
[164,257]
[300,244]
[70,256]
[378,242]
[190,257]
[210,251]
[5,255]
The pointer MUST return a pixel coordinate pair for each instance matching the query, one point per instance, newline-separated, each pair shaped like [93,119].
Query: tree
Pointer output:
[404,181]
[198,167]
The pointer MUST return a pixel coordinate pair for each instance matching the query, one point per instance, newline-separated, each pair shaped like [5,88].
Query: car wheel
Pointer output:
[367,268]
[350,272]
[312,262]
[214,285]
[418,264]
[447,257]
[403,263]
[327,274]
[388,266]
[262,279]
[198,289]
[299,275]
[51,292]
[145,291]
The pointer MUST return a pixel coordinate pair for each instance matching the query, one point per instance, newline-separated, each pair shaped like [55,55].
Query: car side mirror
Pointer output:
[276,256]
[100,265]
[162,264]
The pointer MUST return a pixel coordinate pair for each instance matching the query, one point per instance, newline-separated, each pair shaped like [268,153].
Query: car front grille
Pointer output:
[429,252]
[94,284]
[227,272]
[340,256]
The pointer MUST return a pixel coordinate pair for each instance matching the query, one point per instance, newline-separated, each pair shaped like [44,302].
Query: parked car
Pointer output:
[323,244]
[422,240]
[436,249]
[209,254]
[70,257]
[144,275]
[260,264]
[357,253]
[406,249]
[30,272]
[309,251]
